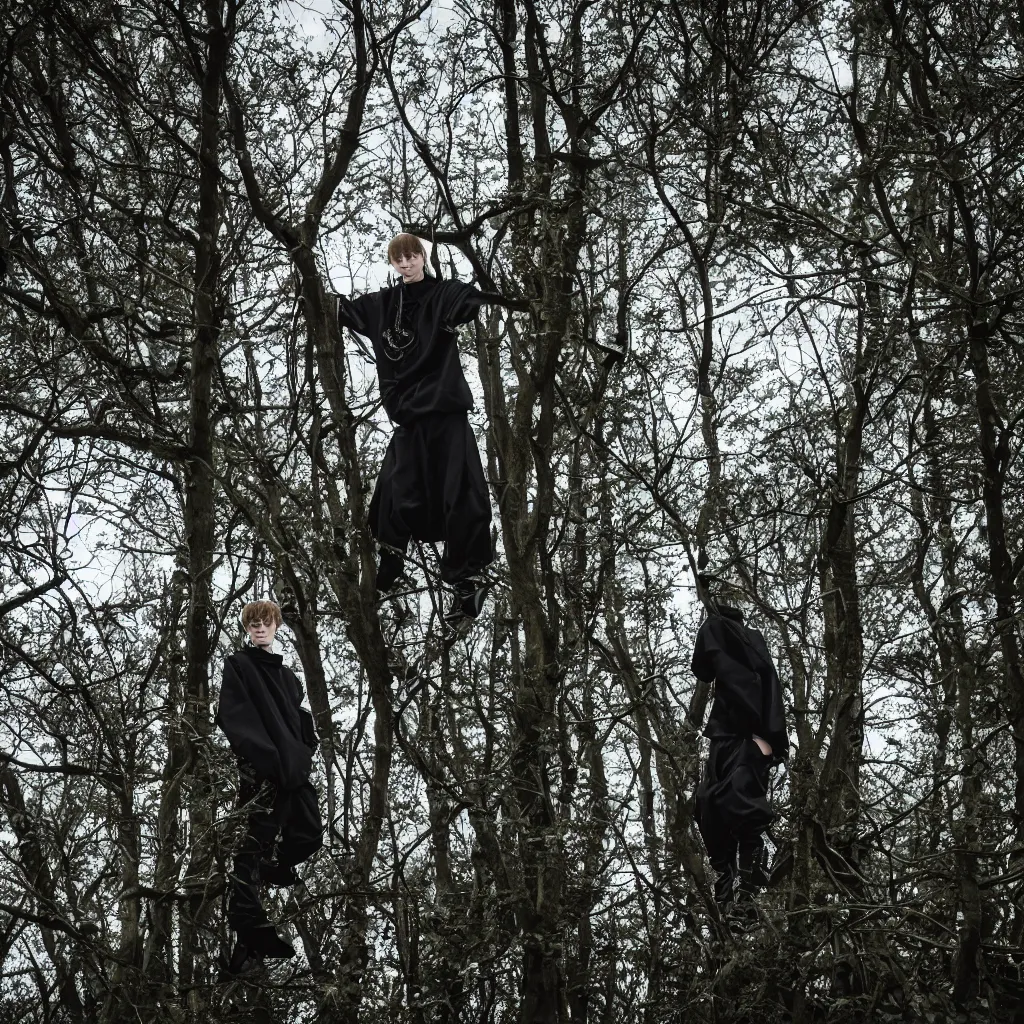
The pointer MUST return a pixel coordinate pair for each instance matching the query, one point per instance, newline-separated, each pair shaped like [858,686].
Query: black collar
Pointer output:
[728,612]
[258,654]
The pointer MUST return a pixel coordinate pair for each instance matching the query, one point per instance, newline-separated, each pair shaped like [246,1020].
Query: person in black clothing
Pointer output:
[747,730]
[431,485]
[260,713]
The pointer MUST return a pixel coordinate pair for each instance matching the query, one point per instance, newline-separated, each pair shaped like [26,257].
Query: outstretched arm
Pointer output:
[361,315]
[462,301]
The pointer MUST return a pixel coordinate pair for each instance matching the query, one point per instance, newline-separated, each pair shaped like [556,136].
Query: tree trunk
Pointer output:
[199,518]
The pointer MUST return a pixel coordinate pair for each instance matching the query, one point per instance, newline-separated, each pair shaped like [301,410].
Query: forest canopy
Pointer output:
[767,262]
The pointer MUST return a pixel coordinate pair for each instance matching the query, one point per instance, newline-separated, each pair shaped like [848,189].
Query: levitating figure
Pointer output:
[747,730]
[260,713]
[431,485]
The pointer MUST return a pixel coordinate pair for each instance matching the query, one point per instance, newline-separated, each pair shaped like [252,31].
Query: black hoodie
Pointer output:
[428,376]
[748,694]
[259,713]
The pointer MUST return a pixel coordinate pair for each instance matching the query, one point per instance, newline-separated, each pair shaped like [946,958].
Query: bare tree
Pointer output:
[765,266]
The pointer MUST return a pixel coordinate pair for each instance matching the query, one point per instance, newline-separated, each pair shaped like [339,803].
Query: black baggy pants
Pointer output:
[732,808]
[284,828]
[431,487]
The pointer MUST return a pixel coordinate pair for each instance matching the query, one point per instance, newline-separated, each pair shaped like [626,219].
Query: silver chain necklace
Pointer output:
[399,340]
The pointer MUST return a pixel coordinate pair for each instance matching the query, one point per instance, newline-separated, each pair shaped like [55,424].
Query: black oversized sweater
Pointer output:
[260,713]
[748,694]
[427,377]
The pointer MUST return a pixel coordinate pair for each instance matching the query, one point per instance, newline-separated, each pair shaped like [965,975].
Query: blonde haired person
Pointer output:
[431,485]
[273,737]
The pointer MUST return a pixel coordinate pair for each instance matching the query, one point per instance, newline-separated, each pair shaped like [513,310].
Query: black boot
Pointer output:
[760,868]
[389,572]
[753,861]
[724,889]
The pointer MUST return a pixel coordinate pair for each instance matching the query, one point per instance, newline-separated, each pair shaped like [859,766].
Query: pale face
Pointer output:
[410,266]
[262,634]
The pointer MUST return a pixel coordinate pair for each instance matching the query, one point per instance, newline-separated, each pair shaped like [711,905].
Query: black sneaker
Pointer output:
[466,604]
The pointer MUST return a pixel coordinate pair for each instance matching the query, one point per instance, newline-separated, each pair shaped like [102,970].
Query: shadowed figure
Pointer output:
[747,730]
[273,737]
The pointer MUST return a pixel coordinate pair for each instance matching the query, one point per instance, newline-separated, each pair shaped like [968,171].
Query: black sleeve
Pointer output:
[460,303]
[773,712]
[241,723]
[297,683]
[360,315]
[309,736]
[700,664]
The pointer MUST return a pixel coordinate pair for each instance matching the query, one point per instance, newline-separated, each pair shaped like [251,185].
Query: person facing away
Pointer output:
[273,737]
[747,730]
[431,484]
